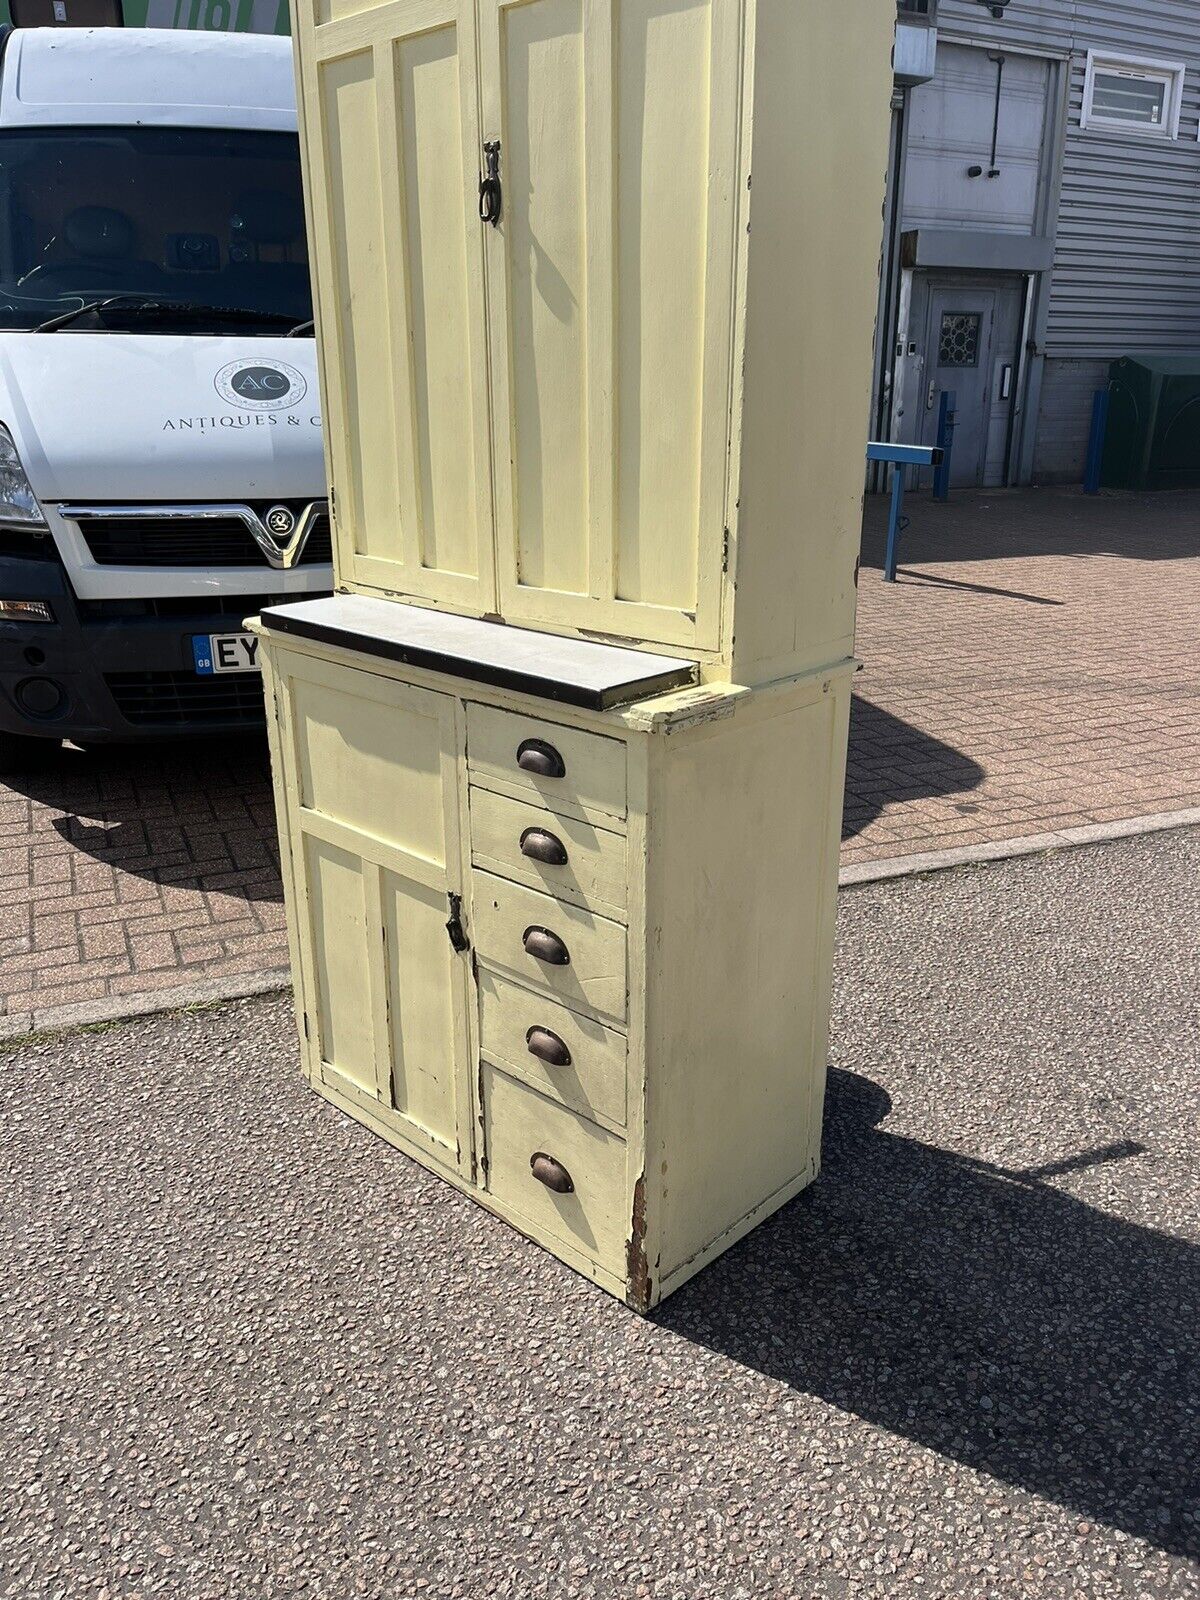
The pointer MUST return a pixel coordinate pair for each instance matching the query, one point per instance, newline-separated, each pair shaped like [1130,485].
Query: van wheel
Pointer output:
[21,753]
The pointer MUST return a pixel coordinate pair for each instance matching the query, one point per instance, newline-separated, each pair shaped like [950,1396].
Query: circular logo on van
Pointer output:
[261,385]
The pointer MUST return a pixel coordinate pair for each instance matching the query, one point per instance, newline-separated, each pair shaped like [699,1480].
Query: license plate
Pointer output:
[225,652]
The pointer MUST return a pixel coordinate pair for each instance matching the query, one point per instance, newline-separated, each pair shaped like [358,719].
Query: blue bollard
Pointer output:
[1095,449]
[947,404]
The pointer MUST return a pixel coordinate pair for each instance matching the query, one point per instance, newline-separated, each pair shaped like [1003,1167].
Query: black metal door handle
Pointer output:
[547,1047]
[491,194]
[539,844]
[547,947]
[540,758]
[551,1172]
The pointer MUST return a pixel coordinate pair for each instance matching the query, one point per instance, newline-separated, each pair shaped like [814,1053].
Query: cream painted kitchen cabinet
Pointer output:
[570,952]
[630,398]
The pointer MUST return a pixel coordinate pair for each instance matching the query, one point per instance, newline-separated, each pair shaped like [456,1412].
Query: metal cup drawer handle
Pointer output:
[539,844]
[540,758]
[547,1047]
[545,946]
[551,1172]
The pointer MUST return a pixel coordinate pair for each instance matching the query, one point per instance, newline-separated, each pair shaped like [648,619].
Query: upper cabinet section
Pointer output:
[391,133]
[578,371]
[610,281]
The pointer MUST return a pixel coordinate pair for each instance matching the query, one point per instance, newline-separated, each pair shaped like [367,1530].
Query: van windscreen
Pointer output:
[213,217]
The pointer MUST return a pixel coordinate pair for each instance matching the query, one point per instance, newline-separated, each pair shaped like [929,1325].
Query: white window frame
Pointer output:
[1169,73]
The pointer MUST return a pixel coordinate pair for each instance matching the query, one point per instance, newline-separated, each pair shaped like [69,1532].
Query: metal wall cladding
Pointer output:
[1129,221]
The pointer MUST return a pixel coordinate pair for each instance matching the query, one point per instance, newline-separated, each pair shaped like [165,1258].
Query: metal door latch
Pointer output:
[491,195]
[454,927]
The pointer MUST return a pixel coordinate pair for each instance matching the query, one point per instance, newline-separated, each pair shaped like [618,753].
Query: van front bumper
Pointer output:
[118,671]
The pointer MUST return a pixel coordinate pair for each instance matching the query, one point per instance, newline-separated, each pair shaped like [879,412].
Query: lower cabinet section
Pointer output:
[564,1175]
[575,962]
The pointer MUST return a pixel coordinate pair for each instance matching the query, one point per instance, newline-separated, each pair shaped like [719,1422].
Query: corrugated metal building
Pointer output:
[1043,219]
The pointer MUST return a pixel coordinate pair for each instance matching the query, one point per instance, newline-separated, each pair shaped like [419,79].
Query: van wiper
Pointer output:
[90,305]
[140,305]
[300,329]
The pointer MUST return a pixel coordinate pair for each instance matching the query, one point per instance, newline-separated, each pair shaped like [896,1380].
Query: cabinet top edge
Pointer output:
[578,672]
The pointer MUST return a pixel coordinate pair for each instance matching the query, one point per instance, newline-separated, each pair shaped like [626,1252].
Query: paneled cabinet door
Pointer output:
[371,774]
[390,106]
[610,284]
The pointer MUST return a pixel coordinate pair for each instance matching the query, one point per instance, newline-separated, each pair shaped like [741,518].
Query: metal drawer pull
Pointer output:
[540,758]
[547,1047]
[545,946]
[550,1172]
[539,844]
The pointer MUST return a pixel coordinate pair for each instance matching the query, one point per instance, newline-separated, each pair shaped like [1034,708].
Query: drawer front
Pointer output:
[570,1058]
[581,771]
[522,840]
[521,1125]
[508,919]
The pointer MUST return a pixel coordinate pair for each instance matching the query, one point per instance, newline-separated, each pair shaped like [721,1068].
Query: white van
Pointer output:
[161,470]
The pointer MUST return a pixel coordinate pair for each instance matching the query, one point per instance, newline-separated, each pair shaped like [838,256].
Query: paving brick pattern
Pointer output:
[1034,668]
[129,871]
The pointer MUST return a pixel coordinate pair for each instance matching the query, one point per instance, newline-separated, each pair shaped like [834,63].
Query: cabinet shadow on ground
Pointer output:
[980,1313]
[891,760]
[198,815]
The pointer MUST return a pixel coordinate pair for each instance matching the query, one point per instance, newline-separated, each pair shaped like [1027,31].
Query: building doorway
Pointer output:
[970,346]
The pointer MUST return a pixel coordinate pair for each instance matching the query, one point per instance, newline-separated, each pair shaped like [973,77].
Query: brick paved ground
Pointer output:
[1035,668]
[127,871]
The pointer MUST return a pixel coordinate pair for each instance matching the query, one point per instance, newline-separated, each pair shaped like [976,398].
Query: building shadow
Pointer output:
[1004,524]
[891,760]
[195,815]
[979,1313]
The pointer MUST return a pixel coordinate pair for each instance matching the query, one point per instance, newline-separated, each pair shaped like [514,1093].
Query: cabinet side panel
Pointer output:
[822,91]
[742,874]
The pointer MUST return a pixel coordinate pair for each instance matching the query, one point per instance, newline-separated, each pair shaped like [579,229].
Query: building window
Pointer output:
[958,342]
[1129,94]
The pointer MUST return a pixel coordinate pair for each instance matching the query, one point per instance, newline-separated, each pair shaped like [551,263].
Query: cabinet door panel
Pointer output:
[391,113]
[371,772]
[610,282]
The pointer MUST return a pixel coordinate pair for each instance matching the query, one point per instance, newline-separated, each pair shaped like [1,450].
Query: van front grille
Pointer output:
[226,541]
[169,699]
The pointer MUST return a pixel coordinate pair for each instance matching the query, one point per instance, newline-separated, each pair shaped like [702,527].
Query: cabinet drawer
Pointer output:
[580,771]
[519,1126]
[509,919]
[522,840]
[573,1059]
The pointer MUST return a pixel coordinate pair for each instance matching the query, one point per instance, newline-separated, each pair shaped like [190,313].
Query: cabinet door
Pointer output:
[390,107]
[610,282]
[371,778]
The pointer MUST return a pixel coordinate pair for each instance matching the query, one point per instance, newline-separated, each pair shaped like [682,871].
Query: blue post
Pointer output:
[896,522]
[1095,449]
[945,442]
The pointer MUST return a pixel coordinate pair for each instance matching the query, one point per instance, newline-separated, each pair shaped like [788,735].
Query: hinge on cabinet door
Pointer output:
[332,503]
[306,1032]
[725,553]
[454,927]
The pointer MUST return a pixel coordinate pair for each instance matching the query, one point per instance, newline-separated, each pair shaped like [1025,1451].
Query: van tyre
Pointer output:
[21,753]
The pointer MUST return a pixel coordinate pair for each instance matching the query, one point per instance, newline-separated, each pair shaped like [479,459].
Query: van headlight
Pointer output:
[18,503]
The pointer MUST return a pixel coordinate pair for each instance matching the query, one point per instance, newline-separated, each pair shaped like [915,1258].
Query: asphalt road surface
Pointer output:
[250,1351]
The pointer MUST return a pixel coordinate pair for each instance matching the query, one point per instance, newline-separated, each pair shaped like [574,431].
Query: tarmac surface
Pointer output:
[251,1351]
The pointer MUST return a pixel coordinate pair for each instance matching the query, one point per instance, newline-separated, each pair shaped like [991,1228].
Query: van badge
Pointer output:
[260,385]
[280,520]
